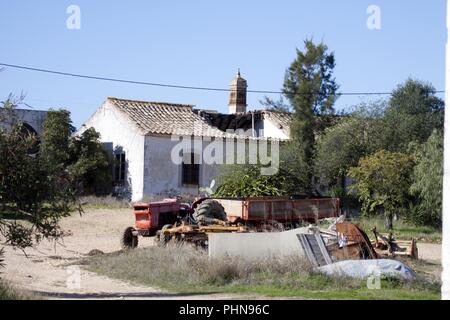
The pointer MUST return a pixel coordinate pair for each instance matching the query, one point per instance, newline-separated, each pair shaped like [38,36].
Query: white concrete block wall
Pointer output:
[255,245]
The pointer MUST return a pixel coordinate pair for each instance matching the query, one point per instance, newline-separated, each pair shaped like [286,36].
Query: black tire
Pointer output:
[208,210]
[129,241]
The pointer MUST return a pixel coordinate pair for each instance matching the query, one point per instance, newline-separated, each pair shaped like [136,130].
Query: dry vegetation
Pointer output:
[182,268]
[9,292]
[105,202]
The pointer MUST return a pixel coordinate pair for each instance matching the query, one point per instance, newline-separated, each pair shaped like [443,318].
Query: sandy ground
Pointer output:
[44,269]
[429,252]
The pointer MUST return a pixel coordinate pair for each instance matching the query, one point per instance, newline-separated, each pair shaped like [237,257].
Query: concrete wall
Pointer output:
[255,245]
[163,176]
[119,133]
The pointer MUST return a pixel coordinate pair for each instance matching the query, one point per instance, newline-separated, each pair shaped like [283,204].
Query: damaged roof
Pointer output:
[183,120]
[244,120]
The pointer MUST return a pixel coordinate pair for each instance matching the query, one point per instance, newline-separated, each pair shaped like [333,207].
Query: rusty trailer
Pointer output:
[280,209]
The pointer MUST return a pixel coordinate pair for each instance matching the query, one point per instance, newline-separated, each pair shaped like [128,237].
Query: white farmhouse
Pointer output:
[144,138]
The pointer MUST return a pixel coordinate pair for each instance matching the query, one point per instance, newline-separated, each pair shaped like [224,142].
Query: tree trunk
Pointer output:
[388,220]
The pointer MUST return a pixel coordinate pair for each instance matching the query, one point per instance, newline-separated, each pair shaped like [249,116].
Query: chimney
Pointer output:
[238,95]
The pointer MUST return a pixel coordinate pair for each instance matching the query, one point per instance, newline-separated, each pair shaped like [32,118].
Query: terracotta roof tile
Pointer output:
[167,118]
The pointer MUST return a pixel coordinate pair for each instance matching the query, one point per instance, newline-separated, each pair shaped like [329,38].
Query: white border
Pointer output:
[446,184]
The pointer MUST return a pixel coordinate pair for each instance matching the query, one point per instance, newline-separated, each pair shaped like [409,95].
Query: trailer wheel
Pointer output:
[209,210]
[129,241]
[161,238]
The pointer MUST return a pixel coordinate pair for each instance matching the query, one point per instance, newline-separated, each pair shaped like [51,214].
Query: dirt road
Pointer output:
[430,252]
[44,269]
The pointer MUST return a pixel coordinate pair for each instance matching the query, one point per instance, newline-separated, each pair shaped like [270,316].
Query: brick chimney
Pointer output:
[238,95]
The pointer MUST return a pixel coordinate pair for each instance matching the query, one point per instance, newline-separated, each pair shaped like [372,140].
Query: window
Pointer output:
[190,171]
[119,167]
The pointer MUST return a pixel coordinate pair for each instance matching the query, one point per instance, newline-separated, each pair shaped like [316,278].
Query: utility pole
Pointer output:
[446,192]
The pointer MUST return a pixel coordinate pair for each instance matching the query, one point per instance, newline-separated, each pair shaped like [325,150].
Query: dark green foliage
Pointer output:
[309,83]
[28,189]
[55,139]
[89,164]
[413,113]
[41,187]
[311,89]
[83,158]
[402,124]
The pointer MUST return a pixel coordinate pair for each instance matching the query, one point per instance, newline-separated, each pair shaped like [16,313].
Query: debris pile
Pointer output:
[346,249]
[347,241]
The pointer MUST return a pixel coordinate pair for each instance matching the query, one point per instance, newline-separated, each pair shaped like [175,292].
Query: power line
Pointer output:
[155,84]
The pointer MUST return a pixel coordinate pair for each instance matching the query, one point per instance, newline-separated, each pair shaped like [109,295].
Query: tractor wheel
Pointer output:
[208,211]
[129,241]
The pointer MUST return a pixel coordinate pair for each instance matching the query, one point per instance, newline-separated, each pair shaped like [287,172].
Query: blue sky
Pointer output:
[202,43]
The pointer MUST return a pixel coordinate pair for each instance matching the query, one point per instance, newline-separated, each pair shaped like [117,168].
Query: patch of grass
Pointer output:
[104,202]
[185,269]
[9,292]
[403,230]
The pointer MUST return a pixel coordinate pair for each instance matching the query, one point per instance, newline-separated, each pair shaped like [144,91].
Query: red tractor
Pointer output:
[171,217]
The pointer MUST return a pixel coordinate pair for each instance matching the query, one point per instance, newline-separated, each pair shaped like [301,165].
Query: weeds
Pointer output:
[182,268]
[403,230]
[104,202]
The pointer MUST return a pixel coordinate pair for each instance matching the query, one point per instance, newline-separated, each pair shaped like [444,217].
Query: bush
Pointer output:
[247,180]
[9,292]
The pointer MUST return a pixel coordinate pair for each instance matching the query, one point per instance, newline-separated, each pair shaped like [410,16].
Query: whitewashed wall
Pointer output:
[114,127]
[162,175]
[272,131]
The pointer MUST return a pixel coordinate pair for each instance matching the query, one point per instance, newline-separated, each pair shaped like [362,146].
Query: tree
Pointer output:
[382,183]
[81,159]
[274,105]
[311,89]
[341,146]
[89,165]
[427,180]
[57,130]
[413,113]
[27,189]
